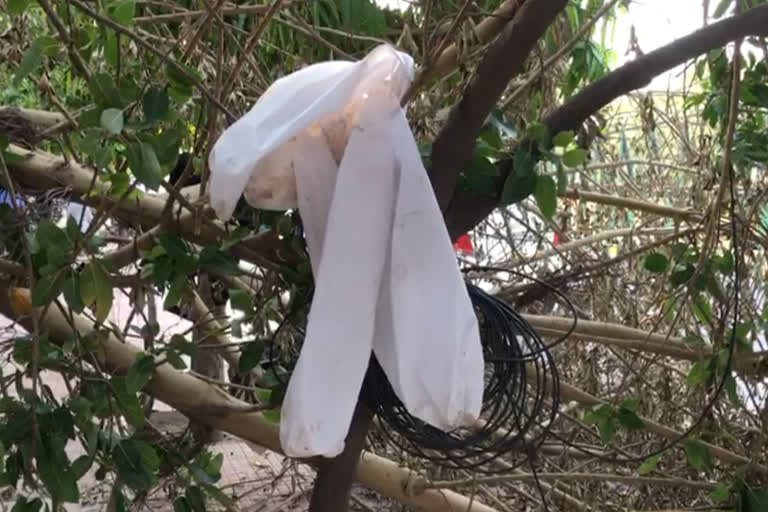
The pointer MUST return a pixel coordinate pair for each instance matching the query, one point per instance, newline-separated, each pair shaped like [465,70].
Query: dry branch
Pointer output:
[633,204]
[484,32]
[569,392]
[187,15]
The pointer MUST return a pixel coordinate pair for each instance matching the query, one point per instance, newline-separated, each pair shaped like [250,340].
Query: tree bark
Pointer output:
[455,143]
[335,476]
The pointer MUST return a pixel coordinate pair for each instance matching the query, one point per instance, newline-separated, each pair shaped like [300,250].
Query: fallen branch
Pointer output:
[629,338]
[586,241]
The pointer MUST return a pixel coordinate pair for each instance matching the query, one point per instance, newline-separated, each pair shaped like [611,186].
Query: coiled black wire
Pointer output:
[520,378]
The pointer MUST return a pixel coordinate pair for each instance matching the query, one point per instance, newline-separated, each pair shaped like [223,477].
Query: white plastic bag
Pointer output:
[333,140]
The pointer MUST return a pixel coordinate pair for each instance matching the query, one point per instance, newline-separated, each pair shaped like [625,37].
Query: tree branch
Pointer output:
[467,209]
[454,145]
[40,170]
[446,63]
[569,392]
[573,477]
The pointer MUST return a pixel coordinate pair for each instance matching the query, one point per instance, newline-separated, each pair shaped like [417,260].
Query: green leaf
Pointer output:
[127,401]
[521,182]
[144,164]
[698,454]
[195,498]
[155,104]
[629,419]
[139,373]
[698,374]
[137,463]
[574,157]
[124,12]
[71,289]
[176,290]
[111,49]
[546,195]
[649,465]
[181,505]
[481,165]
[607,428]
[540,133]
[250,357]
[562,180]
[721,8]
[753,500]
[173,245]
[112,120]
[604,417]
[45,290]
[104,91]
[22,505]
[16,7]
[31,60]
[694,340]
[702,309]
[175,359]
[218,261]
[53,468]
[241,300]
[272,415]
[81,465]
[562,139]
[49,235]
[721,493]
[656,262]
[730,389]
[96,290]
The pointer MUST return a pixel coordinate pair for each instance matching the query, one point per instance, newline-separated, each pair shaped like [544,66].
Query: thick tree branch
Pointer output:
[40,171]
[467,209]
[454,145]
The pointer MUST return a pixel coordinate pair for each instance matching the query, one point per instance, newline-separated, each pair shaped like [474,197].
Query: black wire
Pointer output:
[520,377]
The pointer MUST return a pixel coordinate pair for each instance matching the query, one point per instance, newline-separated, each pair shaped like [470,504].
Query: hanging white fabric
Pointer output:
[333,141]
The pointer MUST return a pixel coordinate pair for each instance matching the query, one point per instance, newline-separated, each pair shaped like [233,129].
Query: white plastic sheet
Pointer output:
[333,141]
